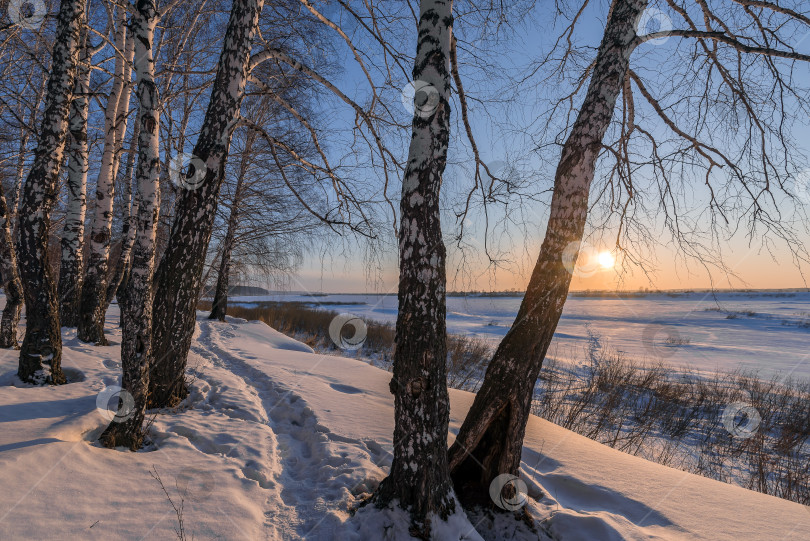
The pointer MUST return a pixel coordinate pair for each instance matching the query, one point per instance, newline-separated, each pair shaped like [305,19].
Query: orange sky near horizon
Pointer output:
[754,269]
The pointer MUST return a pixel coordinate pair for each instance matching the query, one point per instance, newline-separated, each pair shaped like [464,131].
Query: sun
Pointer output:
[606,260]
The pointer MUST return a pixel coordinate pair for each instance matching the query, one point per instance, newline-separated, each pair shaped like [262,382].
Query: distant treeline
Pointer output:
[638,293]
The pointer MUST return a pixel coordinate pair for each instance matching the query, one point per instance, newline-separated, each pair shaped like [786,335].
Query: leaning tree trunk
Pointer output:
[70,269]
[178,276]
[94,288]
[126,428]
[219,306]
[41,353]
[419,479]
[490,441]
[12,286]
[129,227]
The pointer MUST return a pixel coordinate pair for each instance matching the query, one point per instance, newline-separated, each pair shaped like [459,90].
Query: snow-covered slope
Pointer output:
[276,442]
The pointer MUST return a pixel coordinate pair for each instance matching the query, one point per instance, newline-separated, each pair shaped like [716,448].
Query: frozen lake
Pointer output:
[764,331]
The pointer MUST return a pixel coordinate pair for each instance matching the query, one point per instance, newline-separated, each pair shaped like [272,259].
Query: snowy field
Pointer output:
[763,331]
[276,442]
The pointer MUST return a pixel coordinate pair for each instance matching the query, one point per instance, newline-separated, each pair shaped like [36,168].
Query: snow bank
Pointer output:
[276,442]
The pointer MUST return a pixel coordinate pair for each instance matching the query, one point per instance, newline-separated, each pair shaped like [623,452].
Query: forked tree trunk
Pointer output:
[126,428]
[491,439]
[419,479]
[12,286]
[178,278]
[130,225]
[219,306]
[71,272]
[94,288]
[41,353]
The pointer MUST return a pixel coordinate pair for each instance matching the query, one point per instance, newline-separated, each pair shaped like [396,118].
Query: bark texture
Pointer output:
[136,310]
[178,278]
[419,478]
[71,272]
[41,352]
[94,289]
[491,439]
[12,286]
[219,306]
[129,228]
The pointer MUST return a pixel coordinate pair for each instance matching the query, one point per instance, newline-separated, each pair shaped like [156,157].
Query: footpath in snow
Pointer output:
[277,442]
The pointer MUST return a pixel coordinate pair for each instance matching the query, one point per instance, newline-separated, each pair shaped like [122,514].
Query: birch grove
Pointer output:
[265,132]
[94,286]
[126,429]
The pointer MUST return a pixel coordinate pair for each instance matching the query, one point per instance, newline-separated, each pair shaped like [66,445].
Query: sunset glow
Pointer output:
[606,260]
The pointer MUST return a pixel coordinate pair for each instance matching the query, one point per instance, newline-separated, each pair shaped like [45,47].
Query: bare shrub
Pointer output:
[677,418]
[467,356]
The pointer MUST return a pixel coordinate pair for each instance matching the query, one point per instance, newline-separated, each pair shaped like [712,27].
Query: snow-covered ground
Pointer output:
[761,331]
[277,442]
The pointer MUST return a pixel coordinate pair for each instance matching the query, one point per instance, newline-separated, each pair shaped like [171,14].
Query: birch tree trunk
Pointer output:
[126,429]
[130,225]
[419,479]
[178,276]
[94,288]
[491,439]
[25,136]
[219,306]
[12,286]
[41,353]
[19,178]
[71,269]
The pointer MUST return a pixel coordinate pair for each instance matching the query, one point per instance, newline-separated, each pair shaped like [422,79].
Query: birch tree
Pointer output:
[71,269]
[41,352]
[419,479]
[178,277]
[219,305]
[729,46]
[263,229]
[126,429]
[128,229]
[492,433]
[94,287]
[12,287]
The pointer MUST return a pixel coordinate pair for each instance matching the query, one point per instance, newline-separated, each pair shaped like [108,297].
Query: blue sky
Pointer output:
[507,136]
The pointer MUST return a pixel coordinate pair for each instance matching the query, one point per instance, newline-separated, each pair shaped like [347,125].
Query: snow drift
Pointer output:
[276,442]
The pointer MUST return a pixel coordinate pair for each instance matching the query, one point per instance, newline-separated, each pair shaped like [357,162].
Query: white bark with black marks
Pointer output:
[122,266]
[41,352]
[178,278]
[71,271]
[490,441]
[419,479]
[136,303]
[94,289]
